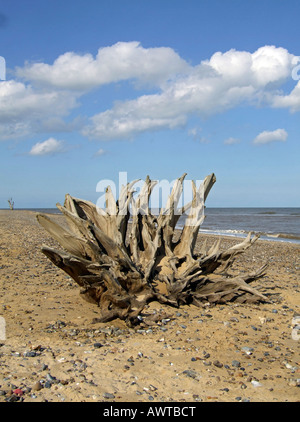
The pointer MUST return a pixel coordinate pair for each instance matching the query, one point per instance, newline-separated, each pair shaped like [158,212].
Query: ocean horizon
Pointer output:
[271,223]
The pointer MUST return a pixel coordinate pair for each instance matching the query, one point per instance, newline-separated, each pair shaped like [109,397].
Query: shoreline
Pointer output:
[230,233]
[53,351]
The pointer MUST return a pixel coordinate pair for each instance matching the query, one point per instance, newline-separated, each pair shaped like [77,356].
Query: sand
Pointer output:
[53,351]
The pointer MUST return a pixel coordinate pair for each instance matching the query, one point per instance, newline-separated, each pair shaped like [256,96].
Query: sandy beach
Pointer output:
[55,351]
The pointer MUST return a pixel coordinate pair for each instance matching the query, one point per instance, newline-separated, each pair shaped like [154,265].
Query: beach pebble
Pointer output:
[51,379]
[98,345]
[12,398]
[108,396]
[234,319]
[247,350]
[30,354]
[256,383]
[218,364]
[294,382]
[37,386]
[236,363]
[41,367]
[190,373]
[18,392]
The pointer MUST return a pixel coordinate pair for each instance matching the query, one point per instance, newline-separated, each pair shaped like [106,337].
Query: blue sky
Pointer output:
[94,88]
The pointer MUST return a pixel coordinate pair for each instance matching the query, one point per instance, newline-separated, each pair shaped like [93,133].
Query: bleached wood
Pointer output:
[121,265]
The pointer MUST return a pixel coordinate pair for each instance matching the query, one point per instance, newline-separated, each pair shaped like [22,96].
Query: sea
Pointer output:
[276,224]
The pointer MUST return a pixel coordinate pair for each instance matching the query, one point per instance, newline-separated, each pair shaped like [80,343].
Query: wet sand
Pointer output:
[227,353]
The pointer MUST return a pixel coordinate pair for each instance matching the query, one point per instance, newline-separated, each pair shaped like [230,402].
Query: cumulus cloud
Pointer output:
[123,60]
[23,109]
[49,147]
[266,137]
[223,82]
[291,101]
[46,94]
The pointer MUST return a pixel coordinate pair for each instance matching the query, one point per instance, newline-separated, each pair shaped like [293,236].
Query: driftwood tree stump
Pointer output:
[122,264]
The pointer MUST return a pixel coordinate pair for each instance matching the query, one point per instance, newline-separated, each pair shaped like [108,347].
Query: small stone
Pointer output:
[50,378]
[190,373]
[234,319]
[218,364]
[43,367]
[98,345]
[12,398]
[18,392]
[248,350]
[236,363]
[294,382]
[108,396]
[256,383]
[37,386]
[30,354]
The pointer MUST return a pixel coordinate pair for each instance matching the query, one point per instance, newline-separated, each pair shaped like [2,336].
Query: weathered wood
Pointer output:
[121,265]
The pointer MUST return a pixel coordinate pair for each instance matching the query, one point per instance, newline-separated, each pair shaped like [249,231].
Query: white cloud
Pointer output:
[49,147]
[226,80]
[121,61]
[231,141]
[23,109]
[223,82]
[291,101]
[266,137]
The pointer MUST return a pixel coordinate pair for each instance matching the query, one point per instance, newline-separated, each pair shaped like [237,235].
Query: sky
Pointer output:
[93,89]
